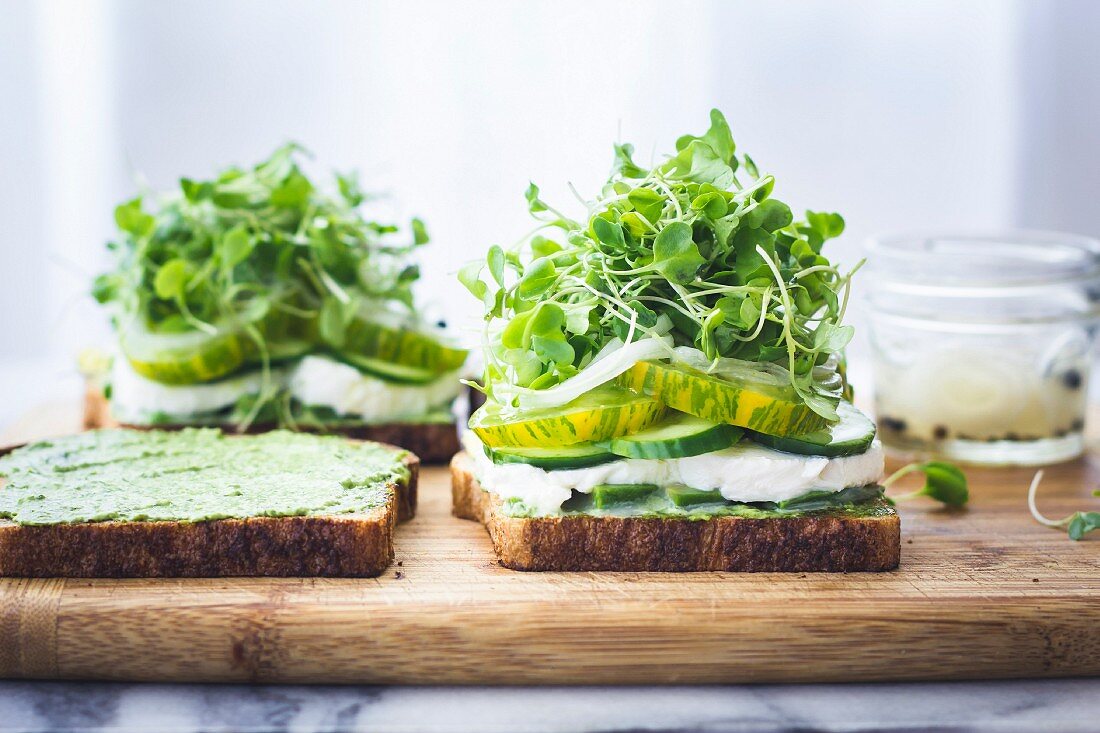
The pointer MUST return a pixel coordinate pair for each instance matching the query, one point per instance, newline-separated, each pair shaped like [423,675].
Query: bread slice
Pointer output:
[346,545]
[818,542]
[433,443]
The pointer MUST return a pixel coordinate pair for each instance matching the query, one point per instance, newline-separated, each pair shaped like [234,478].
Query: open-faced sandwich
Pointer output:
[665,385]
[256,300]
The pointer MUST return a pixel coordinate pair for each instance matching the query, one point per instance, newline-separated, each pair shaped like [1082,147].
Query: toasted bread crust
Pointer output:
[359,545]
[821,543]
[284,546]
[433,443]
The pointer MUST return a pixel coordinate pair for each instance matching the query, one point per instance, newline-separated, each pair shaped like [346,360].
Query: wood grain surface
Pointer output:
[981,593]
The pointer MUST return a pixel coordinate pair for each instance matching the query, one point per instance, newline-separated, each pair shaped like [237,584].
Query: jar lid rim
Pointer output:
[1046,250]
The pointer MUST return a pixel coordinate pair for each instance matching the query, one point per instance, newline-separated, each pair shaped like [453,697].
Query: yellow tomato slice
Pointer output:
[763,408]
[605,412]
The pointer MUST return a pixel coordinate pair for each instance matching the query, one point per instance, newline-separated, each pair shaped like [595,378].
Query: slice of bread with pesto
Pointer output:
[859,533]
[665,383]
[256,299]
[198,503]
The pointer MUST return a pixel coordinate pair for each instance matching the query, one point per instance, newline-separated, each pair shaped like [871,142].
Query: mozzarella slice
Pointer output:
[321,381]
[744,472]
[135,399]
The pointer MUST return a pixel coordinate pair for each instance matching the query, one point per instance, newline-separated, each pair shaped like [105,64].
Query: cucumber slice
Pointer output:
[766,409]
[581,455]
[399,373]
[607,495]
[603,413]
[687,496]
[817,500]
[679,436]
[853,434]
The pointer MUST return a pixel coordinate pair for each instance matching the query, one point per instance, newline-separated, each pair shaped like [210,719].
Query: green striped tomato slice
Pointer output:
[604,413]
[285,335]
[402,345]
[184,358]
[765,409]
[190,357]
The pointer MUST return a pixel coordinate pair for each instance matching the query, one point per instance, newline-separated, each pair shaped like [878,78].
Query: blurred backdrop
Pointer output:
[941,115]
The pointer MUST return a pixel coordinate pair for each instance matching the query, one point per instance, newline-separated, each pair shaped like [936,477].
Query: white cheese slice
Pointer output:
[324,382]
[744,472]
[135,399]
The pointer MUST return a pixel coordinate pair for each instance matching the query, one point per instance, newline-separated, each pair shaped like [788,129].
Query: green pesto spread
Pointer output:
[193,475]
[317,418]
[858,501]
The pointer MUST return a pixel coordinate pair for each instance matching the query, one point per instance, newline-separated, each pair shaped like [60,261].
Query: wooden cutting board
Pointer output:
[984,592]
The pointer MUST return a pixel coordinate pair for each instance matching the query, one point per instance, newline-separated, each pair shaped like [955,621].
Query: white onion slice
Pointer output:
[608,364]
[730,368]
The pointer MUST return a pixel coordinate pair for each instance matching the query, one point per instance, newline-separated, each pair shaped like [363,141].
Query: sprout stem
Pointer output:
[900,473]
[1034,509]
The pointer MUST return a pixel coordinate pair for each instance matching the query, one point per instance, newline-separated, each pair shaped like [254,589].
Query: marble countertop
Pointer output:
[1050,705]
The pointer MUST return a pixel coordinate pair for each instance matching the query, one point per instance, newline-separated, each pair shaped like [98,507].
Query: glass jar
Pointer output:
[982,344]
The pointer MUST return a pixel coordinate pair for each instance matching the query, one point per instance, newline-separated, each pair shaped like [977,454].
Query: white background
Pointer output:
[933,115]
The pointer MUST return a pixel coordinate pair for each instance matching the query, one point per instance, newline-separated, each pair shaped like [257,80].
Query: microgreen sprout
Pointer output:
[943,482]
[1077,525]
[263,253]
[693,252]
[249,241]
